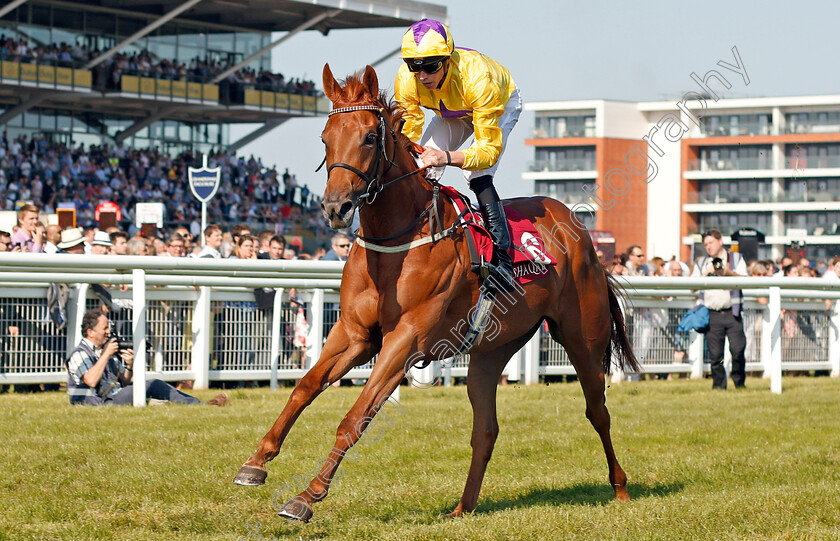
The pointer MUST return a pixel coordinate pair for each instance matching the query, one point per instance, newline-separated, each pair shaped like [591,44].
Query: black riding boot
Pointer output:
[495,222]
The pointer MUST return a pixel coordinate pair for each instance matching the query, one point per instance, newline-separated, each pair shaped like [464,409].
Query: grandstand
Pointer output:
[167,74]
[101,100]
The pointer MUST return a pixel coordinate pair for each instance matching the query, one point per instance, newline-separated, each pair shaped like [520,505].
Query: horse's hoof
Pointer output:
[621,494]
[296,509]
[250,476]
[457,512]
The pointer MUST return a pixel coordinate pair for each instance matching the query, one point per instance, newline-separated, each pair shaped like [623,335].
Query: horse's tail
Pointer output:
[619,343]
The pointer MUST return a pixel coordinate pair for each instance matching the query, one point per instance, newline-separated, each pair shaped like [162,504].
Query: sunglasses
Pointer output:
[343,245]
[429,66]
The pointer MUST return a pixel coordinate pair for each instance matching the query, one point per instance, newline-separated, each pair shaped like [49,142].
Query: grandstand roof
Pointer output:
[273,15]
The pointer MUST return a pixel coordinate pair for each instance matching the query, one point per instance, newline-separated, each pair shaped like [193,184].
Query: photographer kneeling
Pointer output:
[100,373]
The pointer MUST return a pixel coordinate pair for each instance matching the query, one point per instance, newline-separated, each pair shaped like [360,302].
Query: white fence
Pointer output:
[201,321]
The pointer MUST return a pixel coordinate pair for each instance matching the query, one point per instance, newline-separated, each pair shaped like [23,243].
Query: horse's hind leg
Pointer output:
[587,358]
[482,380]
[340,354]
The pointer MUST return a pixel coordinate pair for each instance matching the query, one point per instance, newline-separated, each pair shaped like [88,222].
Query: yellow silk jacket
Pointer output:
[475,86]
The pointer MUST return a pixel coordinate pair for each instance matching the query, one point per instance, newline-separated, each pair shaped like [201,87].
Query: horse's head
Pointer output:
[359,143]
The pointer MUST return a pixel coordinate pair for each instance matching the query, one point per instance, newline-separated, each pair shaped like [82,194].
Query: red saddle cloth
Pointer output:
[530,258]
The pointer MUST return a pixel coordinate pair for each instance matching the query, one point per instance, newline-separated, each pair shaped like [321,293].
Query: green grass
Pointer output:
[702,465]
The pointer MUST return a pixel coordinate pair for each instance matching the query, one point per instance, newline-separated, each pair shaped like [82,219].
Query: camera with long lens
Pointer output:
[717,265]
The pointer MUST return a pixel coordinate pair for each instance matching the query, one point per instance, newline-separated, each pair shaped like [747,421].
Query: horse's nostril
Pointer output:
[345,208]
[323,207]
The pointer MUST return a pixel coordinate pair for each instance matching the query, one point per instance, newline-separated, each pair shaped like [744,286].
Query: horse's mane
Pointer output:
[355,92]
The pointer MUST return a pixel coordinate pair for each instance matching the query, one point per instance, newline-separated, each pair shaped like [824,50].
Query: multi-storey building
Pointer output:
[658,175]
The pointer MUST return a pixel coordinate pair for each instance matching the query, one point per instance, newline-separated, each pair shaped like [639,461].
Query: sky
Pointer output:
[561,50]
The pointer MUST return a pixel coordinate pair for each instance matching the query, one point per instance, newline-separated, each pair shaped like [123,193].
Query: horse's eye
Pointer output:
[370,139]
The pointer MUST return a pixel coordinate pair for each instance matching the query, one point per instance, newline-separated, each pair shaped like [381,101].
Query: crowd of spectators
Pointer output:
[109,73]
[20,50]
[240,242]
[34,170]
[236,348]
[200,70]
[633,262]
[655,328]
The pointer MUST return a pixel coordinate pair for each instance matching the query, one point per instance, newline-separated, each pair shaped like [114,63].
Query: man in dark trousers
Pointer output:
[725,310]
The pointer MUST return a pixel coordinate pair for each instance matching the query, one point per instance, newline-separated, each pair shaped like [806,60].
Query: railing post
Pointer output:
[513,368]
[201,339]
[276,316]
[447,370]
[316,332]
[696,346]
[75,313]
[532,359]
[766,341]
[425,377]
[834,339]
[138,284]
[775,307]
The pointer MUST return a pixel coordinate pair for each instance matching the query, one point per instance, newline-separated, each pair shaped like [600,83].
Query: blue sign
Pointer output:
[204,182]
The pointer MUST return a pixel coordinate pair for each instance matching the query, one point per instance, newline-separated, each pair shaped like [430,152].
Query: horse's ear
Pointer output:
[371,81]
[331,87]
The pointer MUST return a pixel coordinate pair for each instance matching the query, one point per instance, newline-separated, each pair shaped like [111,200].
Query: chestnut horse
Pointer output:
[401,304]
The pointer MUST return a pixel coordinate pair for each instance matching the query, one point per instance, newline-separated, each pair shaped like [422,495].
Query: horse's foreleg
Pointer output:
[376,396]
[340,354]
[482,379]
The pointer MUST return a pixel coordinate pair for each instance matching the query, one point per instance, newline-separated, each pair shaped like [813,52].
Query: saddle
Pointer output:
[530,258]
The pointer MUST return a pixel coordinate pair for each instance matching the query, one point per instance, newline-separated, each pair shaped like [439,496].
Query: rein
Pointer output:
[374,185]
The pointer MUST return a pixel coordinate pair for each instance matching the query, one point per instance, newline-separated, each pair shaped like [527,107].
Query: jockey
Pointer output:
[470,94]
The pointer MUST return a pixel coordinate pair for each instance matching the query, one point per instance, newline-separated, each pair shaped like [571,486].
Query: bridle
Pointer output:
[373,178]
[373,182]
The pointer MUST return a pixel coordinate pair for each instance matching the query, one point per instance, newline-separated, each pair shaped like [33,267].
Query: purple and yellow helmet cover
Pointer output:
[427,37]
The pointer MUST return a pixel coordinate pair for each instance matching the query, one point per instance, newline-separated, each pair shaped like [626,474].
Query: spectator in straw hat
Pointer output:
[72,241]
[101,243]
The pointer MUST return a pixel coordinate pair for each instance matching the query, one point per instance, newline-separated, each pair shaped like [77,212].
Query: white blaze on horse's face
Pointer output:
[351,142]
[351,139]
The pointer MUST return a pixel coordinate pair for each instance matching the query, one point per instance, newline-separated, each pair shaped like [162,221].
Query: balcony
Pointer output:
[811,230]
[812,162]
[729,164]
[45,75]
[158,88]
[737,130]
[813,122]
[543,133]
[716,198]
[567,165]
[813,128]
